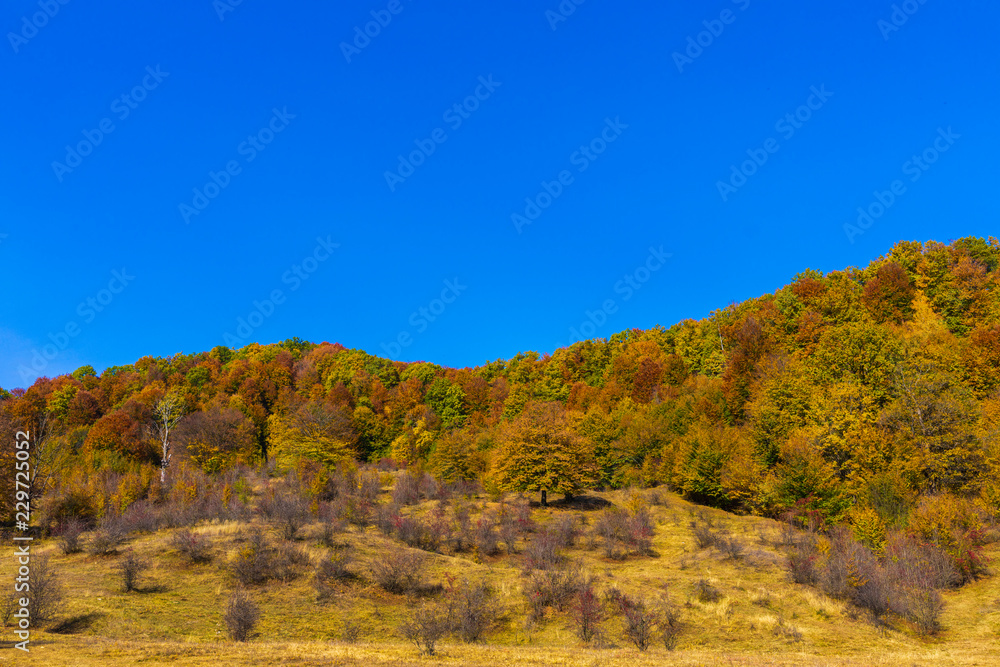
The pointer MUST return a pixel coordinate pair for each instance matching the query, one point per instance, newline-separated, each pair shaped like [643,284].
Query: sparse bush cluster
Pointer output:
[70,536]
[193,546]
[397,570]
[706,535]
[47,590]
[406,491]
[287,510]
[469,611]
[425,626]
[472,608]
[553,588]
[257,560]
[332,569]
[905,579]
[642,622]
[625,532]
[111,533]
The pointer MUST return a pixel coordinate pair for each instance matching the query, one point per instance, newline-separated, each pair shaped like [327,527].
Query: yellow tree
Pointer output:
[317,431]
[538,451]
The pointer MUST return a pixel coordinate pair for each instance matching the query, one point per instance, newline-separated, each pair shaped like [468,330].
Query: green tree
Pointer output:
[447,400]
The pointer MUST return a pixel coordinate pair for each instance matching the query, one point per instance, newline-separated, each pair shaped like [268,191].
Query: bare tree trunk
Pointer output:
[545,500]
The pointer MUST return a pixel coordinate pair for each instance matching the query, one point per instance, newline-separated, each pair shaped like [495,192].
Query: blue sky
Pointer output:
[218,155]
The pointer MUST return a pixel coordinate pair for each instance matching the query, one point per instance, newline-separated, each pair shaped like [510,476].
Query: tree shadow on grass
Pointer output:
[584,503]
[154,588]
[75,624]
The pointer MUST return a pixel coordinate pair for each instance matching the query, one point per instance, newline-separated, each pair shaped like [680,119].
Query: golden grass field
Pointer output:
[761,619]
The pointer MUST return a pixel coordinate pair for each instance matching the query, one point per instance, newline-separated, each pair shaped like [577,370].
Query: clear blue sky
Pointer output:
[218,82]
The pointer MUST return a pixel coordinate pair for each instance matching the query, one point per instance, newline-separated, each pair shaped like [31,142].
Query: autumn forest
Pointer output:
[847,395]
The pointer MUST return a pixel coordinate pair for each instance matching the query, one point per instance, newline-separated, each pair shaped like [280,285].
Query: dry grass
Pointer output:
[761,618]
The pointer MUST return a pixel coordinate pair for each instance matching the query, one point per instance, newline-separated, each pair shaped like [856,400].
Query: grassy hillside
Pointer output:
[759,618]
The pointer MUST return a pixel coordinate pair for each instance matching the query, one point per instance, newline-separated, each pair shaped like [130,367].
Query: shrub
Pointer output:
[588,613]
[852,573]
[410,530]
[354,510]
[437,528]
[508,528]
[192,546]
[460,536]
[624,532]
[287,561]
[407,489]
[706,592]
[802,563]
[553,588]
[473,609]
[485,538]
[787,630]
[287,510]
[730,547]
[8,605]
[242,615]
[706,536]
[69,537]
[639,620]
[385,517]
[521,510]
[565,530]
[397,570]
[140,517]
[923,606]
[640,625]
[869,529]
[252,563]
[328,531]
[46,589]
[542,551]
[670,624]
[954,525]
[914,563]
[425,626]
[330,570]
[130,568]
[428,487]
[110,535]
[369,486]
[351,632]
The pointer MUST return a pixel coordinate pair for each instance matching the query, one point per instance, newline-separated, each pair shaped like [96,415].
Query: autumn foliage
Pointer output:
[864,397]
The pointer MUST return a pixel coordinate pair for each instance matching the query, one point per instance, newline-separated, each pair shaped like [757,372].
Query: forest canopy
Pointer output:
[865,388]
